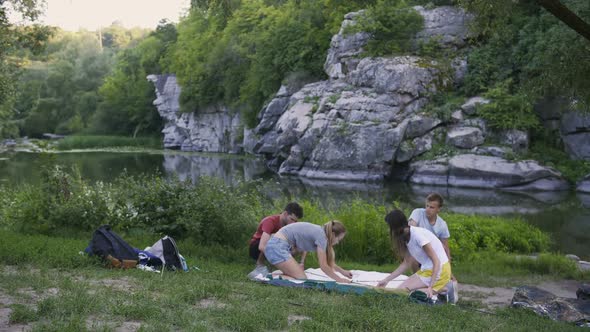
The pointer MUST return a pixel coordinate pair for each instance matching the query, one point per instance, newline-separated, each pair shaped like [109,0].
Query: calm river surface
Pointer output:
[565,215]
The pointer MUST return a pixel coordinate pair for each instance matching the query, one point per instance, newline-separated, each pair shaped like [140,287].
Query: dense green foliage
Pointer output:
[206,212]
[521,41]
[15,39]
[509,111]
[58,90]
[544,151]
[392,25]
[239,55]
[94,142]
[126,96]
[89,81]
[213,213]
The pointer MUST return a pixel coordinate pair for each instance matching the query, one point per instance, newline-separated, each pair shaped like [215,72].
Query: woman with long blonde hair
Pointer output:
[305,237]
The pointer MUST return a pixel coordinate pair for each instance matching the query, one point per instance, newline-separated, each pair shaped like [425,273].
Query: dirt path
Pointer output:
[502,296]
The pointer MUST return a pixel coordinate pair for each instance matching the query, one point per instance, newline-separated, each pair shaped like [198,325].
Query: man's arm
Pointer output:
[412,222]
[263,241]
[445,243]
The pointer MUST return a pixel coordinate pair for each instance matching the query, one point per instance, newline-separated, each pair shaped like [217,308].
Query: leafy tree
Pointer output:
[126,96]
[523,42]
[237,53]
[392,25]
[13,38]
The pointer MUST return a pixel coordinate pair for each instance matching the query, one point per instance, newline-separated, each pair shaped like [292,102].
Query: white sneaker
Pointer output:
[259,270]
[452,292]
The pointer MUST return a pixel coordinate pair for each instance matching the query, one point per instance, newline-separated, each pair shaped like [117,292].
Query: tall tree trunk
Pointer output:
[568,17]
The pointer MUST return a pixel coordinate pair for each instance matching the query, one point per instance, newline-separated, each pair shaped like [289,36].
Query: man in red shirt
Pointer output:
[268,226]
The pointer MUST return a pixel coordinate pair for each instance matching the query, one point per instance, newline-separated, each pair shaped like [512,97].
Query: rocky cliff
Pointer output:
[215,129]
[368,121]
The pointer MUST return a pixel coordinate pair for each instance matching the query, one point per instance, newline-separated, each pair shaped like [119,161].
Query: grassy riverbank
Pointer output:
[48,286]
[93,142]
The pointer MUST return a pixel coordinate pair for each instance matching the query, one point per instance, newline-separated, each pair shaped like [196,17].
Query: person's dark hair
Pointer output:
[432,197]
[398,222]
[294,208]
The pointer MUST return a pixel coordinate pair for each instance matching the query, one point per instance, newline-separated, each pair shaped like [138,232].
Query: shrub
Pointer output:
[509,111]
[470,234]
[392,25]
[212,213]
[89,142]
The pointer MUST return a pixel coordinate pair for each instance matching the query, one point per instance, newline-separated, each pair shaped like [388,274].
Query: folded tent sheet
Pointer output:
[359,278]
[367,278]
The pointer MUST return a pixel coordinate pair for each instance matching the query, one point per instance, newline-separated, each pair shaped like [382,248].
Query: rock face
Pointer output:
[446,24]
[345,49]
[546,304]
[575,132]
[355,125]
[476,171]
[209,130]
[570,125]
[368,120]
[584,185]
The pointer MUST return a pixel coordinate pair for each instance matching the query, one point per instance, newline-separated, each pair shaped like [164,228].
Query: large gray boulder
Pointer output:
[404,75]
[449,25]
[476,171]
[517,140]
[352,128]
[575,132]
[345,48]
[546,304]
[584,185]
[465,137]
[470,106]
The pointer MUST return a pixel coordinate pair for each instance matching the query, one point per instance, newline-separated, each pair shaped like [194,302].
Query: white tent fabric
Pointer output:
[359,277]
[367,278]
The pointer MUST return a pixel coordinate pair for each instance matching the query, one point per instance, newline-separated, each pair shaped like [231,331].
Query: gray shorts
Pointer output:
[277,250]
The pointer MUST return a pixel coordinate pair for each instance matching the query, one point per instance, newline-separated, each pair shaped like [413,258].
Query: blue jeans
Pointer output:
[277,250]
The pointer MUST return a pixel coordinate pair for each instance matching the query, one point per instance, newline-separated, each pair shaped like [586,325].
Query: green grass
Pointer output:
[50,287]
[92,142]
[50,293]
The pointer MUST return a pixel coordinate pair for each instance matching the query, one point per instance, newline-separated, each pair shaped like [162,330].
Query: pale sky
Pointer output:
[91,14]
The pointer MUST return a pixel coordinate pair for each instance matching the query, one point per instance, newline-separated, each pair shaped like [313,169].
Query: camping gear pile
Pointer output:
[117,253]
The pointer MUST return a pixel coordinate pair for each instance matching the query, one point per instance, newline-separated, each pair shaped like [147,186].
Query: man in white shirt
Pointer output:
[429,219]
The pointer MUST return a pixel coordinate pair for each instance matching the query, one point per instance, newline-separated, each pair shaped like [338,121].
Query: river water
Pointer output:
[565,215]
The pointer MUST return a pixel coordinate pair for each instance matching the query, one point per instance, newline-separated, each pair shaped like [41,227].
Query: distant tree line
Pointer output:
[237,53]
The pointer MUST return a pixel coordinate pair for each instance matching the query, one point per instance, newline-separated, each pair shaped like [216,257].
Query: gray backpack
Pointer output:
[167,251]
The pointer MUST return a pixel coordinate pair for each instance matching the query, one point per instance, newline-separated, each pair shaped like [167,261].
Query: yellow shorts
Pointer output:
[443,279]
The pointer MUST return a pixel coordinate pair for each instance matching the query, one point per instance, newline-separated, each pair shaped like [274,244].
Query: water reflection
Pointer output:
[192,166]
[566,215]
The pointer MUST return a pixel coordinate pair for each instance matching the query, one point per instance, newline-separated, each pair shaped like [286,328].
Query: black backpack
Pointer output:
[109,246]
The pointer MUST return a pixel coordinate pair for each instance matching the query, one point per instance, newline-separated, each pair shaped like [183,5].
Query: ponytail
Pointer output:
[332,229]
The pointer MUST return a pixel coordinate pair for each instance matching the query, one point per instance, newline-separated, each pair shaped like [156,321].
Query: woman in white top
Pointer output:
[417,244]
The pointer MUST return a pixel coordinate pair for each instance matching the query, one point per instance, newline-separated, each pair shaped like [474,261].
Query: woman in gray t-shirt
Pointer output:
[304,237]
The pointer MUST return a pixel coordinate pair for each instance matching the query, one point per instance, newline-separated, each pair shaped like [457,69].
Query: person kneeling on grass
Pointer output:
[304,237]
[417,244]
[266,228]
